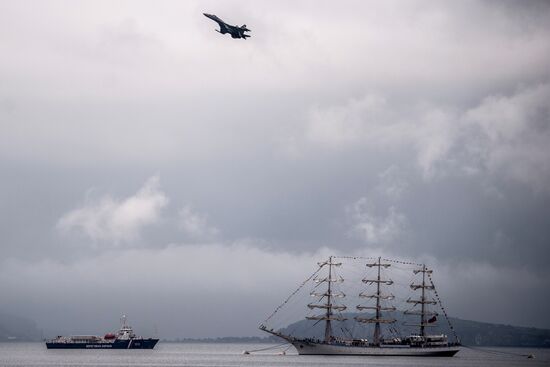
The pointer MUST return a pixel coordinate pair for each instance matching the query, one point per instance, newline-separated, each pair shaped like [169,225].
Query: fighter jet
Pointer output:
[233,30]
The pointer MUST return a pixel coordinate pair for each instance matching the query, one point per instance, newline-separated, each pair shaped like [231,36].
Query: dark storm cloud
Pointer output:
[136,140]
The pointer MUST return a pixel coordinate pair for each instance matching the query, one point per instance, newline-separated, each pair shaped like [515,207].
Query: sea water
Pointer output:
[214,354]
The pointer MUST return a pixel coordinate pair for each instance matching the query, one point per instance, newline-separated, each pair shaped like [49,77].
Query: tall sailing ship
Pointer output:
[372,311]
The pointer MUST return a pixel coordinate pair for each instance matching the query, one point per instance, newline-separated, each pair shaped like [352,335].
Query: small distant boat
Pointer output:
[416,344]
[125,338]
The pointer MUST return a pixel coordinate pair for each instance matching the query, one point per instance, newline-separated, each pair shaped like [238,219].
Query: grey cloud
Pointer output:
[502,134]
[514,133]
[195,225]
[393,183]
[375,229]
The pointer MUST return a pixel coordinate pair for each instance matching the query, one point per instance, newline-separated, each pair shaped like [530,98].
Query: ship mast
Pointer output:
[329,306]
[423,306]
[328,326]
[423,301]
[377,320]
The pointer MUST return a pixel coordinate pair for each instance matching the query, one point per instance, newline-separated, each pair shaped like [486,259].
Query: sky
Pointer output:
[154,167]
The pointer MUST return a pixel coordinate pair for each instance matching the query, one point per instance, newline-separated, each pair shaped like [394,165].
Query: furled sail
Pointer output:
[414,312]
[378,264]
[381,281]
[323,317]
[380,296]
[420,286]
[327,279]
[327,306]
[361,308]
[419,301]
[326,294]
[328,262]
[423,270]
[374,320]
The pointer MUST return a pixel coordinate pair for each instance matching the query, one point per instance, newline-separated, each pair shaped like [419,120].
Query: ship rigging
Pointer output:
[375,310]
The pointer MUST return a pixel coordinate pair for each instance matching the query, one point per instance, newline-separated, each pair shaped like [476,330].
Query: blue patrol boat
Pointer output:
[125,338]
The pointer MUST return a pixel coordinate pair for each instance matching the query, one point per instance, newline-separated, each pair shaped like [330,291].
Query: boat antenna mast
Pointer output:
[378,296]
[123,320]
[329,295]
[423,301]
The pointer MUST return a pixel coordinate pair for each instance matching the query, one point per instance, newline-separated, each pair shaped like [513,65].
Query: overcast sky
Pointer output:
[153,167]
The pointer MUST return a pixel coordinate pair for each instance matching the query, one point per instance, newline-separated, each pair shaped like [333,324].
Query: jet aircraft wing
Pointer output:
[214,18]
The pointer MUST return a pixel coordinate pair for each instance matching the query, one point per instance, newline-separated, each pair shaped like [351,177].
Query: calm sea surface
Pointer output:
[179,354]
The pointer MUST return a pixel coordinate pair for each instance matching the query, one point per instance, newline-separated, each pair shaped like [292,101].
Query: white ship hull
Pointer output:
[308,348]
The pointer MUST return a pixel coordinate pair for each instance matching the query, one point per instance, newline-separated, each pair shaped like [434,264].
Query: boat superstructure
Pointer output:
[374,307]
